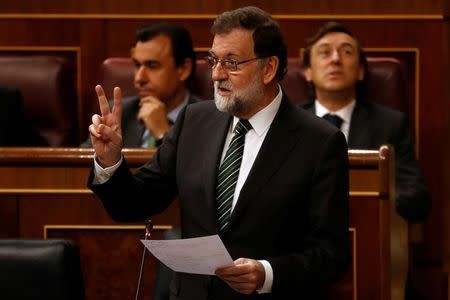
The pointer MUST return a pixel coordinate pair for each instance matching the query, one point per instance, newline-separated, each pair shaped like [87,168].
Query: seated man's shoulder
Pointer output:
[382,110]
[195,99]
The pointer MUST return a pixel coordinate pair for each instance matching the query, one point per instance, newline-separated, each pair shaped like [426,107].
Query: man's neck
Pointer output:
[334,101]
[178,98]
[271,91]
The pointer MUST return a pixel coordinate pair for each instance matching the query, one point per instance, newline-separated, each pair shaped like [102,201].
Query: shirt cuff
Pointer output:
[102,175]
[268,281]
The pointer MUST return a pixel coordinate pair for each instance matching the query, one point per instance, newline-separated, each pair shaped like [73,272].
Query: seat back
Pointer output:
[48,87]
[385,81]
[117,71]
[40,269]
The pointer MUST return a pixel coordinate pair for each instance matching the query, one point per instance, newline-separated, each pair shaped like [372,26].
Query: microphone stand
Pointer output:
[148,232]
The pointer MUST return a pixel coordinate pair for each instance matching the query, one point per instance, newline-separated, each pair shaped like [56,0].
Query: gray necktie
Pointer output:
[229,173]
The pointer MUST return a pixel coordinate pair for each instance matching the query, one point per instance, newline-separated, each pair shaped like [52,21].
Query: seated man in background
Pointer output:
[334,62]
[15,128]
[164,62]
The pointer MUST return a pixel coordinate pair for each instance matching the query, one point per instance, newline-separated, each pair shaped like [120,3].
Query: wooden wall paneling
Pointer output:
[111,258]
[93,41]
[214,7]
[53,203]
[9,225]
[446,162]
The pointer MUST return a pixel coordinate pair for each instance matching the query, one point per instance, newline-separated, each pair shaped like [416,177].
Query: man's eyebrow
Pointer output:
[228,55]
[145,62]
[347,44]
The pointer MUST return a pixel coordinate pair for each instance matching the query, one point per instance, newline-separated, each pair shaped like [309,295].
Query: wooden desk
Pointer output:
[43,194]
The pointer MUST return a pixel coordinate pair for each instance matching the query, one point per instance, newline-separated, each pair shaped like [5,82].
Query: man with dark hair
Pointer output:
[335,65]
[269,178]
[164,62]
[15,128]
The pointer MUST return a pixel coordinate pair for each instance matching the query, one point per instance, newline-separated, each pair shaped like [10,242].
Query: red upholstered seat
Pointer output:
[386,83]
[48,87]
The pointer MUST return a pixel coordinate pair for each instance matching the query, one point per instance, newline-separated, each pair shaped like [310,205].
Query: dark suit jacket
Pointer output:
[132,128]
[373,125]
[292,209]
[15,128]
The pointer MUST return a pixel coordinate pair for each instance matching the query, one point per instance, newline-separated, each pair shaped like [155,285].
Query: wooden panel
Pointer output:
[43,192]
[213,7]
[111,258]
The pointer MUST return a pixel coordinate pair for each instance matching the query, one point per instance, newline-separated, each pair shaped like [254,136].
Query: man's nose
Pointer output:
[335,55]
[219,73]
[139,75]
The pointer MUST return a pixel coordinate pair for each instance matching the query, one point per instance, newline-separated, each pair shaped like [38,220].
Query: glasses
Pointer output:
[230,65]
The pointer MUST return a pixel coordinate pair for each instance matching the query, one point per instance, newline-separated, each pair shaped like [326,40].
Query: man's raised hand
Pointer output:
[105,130]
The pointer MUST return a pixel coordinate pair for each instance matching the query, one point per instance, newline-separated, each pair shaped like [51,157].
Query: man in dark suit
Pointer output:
[269,178]
[334,63]
[15,128]
[165,64]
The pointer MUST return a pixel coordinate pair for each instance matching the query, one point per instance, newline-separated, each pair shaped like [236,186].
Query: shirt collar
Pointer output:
[262,119]
[344,113]
[173,114]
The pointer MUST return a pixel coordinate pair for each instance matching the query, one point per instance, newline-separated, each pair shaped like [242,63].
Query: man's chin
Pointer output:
[146,94]
[222,103]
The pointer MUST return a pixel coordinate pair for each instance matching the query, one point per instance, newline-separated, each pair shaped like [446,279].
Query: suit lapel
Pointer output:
[211,160]
[360,127]
[280,140]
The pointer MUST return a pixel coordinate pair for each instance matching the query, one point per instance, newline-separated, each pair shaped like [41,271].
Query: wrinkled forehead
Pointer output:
[236,43]
[336,39]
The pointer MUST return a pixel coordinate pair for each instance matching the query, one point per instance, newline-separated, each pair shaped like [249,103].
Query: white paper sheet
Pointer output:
[201,255]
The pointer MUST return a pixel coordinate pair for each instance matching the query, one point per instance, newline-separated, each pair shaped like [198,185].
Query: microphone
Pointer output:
[148,233]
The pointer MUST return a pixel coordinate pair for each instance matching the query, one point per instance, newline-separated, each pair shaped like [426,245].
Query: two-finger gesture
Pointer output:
[105,130]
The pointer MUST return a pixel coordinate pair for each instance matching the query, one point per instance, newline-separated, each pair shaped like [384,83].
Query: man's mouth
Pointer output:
[144,92]
[223,89]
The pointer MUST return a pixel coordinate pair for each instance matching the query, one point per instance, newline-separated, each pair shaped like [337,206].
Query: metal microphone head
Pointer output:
[148,228]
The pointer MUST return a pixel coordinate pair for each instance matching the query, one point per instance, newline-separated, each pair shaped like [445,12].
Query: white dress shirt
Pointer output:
[254,138]
[344,113]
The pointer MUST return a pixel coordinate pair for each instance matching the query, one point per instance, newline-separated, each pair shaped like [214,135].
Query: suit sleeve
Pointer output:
[413,200]
[324,255]
[129,198]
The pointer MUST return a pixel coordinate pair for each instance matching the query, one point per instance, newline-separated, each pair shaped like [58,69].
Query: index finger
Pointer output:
[102,101]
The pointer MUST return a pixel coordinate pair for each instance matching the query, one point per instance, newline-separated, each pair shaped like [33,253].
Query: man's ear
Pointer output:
[270,69]
[185,69]
[361,72]
[307,73]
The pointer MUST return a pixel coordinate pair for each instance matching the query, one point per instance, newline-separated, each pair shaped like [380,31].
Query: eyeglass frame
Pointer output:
[235,63]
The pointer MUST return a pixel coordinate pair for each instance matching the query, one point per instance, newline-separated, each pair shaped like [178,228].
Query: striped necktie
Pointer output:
[229,173]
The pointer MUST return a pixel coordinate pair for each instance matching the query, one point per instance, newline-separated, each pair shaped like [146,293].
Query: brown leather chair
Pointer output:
[48,87]
[385,82]
[40,269]
[117,71]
